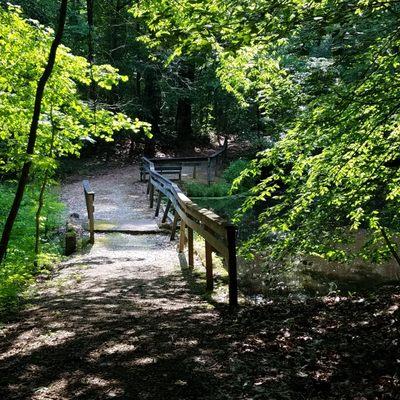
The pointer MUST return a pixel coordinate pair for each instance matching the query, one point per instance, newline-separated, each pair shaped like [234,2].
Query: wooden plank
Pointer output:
[174,168]
[86,187]
[217,243]
[190,248]
[209,267]
[188,159]
[214,221]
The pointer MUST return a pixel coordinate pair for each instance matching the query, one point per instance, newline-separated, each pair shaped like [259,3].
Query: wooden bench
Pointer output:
[163,169]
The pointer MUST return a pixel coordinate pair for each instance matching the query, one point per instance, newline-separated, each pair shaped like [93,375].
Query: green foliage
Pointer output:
[65,115]
[214,197]
[196,189]
[217,196]
[67,122]
[335,171]
[225,207]
[234,169]
[217,189]
[18,269]
[313,85]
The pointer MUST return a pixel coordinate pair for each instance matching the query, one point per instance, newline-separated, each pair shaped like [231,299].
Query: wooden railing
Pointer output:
[214,162]
[219,235]
[89,198]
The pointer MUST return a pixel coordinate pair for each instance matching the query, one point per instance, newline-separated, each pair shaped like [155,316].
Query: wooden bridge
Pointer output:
[165,196]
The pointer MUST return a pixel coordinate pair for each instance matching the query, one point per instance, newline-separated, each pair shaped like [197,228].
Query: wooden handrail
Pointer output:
[214,159]
[219,235]
[89,198]
[190,159]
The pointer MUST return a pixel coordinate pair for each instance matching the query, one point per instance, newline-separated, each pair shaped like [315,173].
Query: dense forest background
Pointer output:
[307,93]
[182,98]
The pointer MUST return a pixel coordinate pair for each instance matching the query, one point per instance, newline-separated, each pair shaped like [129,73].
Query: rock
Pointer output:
[71,245]
[73,233]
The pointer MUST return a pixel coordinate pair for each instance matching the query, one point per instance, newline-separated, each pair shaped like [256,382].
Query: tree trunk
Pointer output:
[90,43]
[23,180]
[390,245]
[138,85]
[152,101]
[38,215]
[183,119]
[43,190]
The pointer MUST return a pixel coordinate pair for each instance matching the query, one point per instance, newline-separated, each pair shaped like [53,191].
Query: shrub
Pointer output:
[196,189]
[234,170]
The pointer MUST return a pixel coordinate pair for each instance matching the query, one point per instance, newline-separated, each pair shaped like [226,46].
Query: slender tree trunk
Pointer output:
[114,37]
[43,190]
[138,85]
[90,22]
[92,92]
[390,246]
[90,40]
[23,180]
[39,213]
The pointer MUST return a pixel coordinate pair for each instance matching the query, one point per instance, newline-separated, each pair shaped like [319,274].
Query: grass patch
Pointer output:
[197,189]
[216,196]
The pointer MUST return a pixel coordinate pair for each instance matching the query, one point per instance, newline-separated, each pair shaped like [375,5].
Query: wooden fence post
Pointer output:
[158,204]
[232,266]
[182,238]
[151,195]
[190,247]
[166,211]
[90,197]
[209,171]
[209,267]
[174,225]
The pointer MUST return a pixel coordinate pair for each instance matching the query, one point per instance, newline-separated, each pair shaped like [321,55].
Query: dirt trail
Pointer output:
[126,321]
[120,201]
[117,322]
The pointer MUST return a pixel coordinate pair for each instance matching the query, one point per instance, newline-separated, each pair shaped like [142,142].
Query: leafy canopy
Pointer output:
[67,119]
[325,76]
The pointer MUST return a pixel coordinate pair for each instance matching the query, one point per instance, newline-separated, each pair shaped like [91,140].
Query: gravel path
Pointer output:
[117,322]
[126,321]
[120,198]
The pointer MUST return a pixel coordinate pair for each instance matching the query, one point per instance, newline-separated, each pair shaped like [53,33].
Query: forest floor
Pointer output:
[129,320]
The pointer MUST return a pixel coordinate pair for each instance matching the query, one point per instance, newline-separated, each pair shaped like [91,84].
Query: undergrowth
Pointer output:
[18,269]
[216,196]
